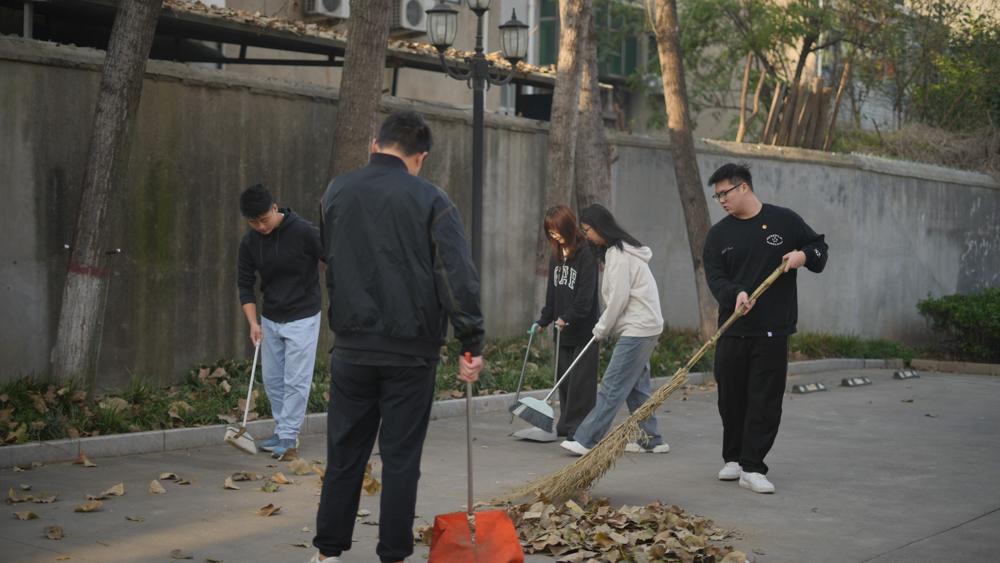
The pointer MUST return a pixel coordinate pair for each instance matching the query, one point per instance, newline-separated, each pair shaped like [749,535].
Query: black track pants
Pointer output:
[362,398]
[751,374]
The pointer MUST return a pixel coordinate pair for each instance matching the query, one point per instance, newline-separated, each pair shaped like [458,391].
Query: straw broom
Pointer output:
[585,471]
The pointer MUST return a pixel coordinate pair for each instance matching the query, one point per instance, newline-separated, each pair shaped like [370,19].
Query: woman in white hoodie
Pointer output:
[631,313]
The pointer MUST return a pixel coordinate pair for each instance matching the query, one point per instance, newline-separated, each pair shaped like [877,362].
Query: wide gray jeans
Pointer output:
[627,381]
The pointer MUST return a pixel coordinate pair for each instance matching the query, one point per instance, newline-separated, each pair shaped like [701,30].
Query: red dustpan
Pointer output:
[474,537]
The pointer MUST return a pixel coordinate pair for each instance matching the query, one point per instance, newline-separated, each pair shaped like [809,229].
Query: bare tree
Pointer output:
[689,185]
[82,309]
[360,84]
[592,161]
[573,16]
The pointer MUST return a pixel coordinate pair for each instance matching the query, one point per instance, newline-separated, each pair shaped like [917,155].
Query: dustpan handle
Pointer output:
[570,368]
[468,431]
[246,409]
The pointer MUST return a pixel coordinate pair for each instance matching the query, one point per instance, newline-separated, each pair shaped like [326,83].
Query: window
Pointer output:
[548,32]
[618,50]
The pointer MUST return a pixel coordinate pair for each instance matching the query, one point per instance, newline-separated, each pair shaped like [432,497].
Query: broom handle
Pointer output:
[555,359]
[570,368]
[520,381]
[736,315]
[246,409]
[468,430]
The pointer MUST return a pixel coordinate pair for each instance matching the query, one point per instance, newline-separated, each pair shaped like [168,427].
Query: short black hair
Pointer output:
[255,201]
[407,131]
[734,172]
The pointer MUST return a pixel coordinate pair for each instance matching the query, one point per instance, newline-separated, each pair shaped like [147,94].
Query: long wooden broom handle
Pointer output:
[736,314]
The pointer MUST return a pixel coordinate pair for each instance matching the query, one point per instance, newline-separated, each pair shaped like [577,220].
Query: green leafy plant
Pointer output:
[969,325]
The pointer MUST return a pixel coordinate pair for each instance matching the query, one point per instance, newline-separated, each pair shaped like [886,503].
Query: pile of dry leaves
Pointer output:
[598,532]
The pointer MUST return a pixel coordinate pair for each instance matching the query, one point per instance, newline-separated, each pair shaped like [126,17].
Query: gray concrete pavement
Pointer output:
[861,475]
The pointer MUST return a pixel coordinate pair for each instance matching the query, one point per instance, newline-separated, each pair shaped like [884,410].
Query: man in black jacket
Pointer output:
[398,268]
[751,359]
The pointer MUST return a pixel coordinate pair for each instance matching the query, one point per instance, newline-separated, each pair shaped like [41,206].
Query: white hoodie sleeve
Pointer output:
[615,289]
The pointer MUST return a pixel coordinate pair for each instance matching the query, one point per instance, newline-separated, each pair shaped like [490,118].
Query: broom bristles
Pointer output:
[535,418]
[586,470]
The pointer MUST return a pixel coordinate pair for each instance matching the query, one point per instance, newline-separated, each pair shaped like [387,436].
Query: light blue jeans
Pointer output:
[625,381]
[288,355]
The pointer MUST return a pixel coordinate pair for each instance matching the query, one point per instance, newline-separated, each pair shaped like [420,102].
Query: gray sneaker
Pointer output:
[284,444]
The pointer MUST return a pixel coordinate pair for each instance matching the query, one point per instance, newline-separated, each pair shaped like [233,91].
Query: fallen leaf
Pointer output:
[54,532]
[83,460]
[268,510]
[14,498]
[115,491]
[89,506]
[226,388]
[307,530]
[300,467]
[156,488]
[114,404]
[904,401]
[735,557]
[371,485]
[291,454]
[280,479]
[227,418]
[183,482]
[46,499]
[73,433]
[302,544]
[219,373]
[245,476]
[25,487]
[178,409]
[269,486]
[168,477]
[63,558]
[425,532]
[363,512]
[228,484]
[213,560]
[26,515]
[178,554]
[135,518]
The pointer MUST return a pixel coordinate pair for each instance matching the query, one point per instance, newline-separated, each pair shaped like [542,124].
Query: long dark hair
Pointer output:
[562,220]
[601,220]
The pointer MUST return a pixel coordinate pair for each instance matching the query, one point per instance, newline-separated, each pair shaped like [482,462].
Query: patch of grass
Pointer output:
[814,346]
[37,409]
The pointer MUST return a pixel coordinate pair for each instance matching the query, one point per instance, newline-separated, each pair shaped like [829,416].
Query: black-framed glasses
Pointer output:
[585,229]
[725,193]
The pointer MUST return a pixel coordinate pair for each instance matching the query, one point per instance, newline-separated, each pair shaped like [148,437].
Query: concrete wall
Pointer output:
[897,231]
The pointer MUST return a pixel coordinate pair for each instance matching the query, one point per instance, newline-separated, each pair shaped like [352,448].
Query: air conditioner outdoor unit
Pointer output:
[408,17]
[340,9]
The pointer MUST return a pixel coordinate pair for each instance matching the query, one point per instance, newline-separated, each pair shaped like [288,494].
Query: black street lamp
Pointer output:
[442,26]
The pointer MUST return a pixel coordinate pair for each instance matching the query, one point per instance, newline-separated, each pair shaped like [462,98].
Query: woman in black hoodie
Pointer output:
[571,304]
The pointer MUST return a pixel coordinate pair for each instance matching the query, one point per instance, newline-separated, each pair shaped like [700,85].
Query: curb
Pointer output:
[113,445]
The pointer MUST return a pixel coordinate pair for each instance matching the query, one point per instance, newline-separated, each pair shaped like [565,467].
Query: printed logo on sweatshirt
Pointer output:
[817,253]
[726,249]
[564,275]
[774,240]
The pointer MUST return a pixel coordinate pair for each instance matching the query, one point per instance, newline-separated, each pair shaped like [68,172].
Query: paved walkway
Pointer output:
[895,471]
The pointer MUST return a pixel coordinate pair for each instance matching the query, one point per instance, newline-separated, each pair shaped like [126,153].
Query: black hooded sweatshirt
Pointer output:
[572,296]
[286,260]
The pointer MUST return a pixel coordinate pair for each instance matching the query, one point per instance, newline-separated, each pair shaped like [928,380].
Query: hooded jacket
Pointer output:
[286,260]
[629,293]
[572,295]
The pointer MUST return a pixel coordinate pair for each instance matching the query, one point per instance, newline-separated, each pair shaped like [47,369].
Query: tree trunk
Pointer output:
[573,15]
[81,314]
[682,149]
[360,84]
[593,156]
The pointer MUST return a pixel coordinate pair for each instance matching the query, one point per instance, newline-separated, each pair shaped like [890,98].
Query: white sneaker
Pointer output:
[316,559]
[636,448]
[756,482]
[574,447]
[535,435]
[730,472]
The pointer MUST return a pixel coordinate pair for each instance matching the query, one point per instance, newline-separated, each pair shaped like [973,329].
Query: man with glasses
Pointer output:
[751,359]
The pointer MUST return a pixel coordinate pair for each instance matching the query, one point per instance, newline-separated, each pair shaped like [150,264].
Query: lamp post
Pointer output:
[442,26]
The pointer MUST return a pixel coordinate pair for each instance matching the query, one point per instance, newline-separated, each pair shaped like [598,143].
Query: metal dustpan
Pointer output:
[474,537]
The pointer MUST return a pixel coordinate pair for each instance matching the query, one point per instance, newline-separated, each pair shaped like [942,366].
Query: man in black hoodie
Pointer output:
[284,250]
[398,268]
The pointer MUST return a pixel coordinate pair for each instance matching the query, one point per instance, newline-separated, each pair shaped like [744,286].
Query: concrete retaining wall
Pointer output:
[897,231]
